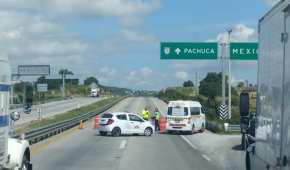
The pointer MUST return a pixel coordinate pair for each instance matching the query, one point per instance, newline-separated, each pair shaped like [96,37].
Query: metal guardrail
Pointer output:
[44,132]
[234,128]
[218,127]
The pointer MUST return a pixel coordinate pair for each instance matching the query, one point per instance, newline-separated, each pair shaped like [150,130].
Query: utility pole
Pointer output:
[229,78]
[197,82]
[63,84]
[223,56]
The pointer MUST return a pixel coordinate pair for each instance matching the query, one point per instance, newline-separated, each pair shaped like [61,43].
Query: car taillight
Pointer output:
[110,121]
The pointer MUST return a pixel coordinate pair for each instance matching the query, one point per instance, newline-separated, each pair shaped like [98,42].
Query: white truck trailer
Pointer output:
[14,153]
[269,137]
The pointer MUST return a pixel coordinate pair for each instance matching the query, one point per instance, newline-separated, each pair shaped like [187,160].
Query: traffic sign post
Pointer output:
[209,51]
[244,51]
[41,87]
[188,51]
[223,112]
[33,70]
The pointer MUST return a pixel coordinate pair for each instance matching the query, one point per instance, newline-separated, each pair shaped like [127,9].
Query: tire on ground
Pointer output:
[116,132]
[25,163]
[148,131]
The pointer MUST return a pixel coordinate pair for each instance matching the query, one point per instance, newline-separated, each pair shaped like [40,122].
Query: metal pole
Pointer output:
[196,82]
[230,76]
[223,46]
[63,85]
[12,94]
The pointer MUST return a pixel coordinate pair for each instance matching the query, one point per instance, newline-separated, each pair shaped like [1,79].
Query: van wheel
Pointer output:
[25,163]
[202,128]
[116,132]
[148,132]
[193,130]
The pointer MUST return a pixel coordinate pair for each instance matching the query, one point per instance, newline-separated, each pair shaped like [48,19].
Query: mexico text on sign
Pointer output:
[244,51]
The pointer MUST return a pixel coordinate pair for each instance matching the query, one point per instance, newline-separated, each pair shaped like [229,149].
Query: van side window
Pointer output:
[195,110]
[185,111]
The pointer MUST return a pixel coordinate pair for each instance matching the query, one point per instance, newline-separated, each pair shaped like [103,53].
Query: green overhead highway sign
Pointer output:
[244,51]
[188,51]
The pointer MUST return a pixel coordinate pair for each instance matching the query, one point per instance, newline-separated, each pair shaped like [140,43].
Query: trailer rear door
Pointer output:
[270,90]
[285,155]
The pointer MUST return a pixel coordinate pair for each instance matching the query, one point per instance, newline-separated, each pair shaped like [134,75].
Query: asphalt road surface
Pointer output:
[85,149]
[53,108]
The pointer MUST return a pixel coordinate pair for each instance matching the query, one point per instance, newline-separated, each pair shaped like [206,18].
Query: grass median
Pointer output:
[64,116]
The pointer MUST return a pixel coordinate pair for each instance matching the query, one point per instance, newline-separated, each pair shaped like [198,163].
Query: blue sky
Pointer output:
[118,41]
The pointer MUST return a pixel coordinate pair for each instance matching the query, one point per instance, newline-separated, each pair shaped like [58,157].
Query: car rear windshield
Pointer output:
[177,111]
[107,115]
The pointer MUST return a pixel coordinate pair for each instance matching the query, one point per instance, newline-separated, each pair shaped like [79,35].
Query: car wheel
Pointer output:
[148,132]
[25,164]
[116,132]
[202,128]
[103,133]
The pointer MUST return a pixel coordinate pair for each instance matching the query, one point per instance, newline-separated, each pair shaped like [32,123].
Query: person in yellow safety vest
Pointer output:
[145,114]
[157,115]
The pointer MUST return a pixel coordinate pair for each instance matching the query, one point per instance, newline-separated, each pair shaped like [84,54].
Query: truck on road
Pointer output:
[95,92]
[14,153]
[268,138]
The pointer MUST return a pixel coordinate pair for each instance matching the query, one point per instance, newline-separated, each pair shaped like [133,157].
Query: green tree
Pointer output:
[210,86]
[64,73]
[41,80]
[241,84]
[91,80]
[188,83]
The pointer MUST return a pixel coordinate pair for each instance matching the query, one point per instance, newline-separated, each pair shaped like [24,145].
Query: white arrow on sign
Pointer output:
[177,50]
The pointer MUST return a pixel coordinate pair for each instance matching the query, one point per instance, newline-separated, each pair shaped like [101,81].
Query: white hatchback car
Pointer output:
[120,123]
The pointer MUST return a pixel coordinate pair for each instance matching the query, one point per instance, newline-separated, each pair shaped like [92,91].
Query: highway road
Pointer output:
[85,149]
[53,108]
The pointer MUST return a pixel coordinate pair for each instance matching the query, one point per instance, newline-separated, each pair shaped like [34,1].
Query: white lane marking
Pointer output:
[206,157]
[188,142]
[123,144]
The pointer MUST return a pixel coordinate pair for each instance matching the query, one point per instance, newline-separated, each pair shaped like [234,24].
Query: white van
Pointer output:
[187,116]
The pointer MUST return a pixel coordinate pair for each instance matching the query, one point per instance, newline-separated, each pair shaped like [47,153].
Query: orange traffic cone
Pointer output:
[96,121]
[162,124]
[82,125]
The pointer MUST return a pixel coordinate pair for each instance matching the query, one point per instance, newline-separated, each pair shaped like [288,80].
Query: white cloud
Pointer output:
[239,32]
[181,75]
[146,71]
[271,2]
[140,76]
[138,37]
[129,11]
[235,81]
[106,74]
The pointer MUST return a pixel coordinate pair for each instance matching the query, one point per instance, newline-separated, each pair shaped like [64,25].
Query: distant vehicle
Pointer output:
[14,153]
[268,137]
[185,116]
[124,123]
[95,92]
[27,108]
